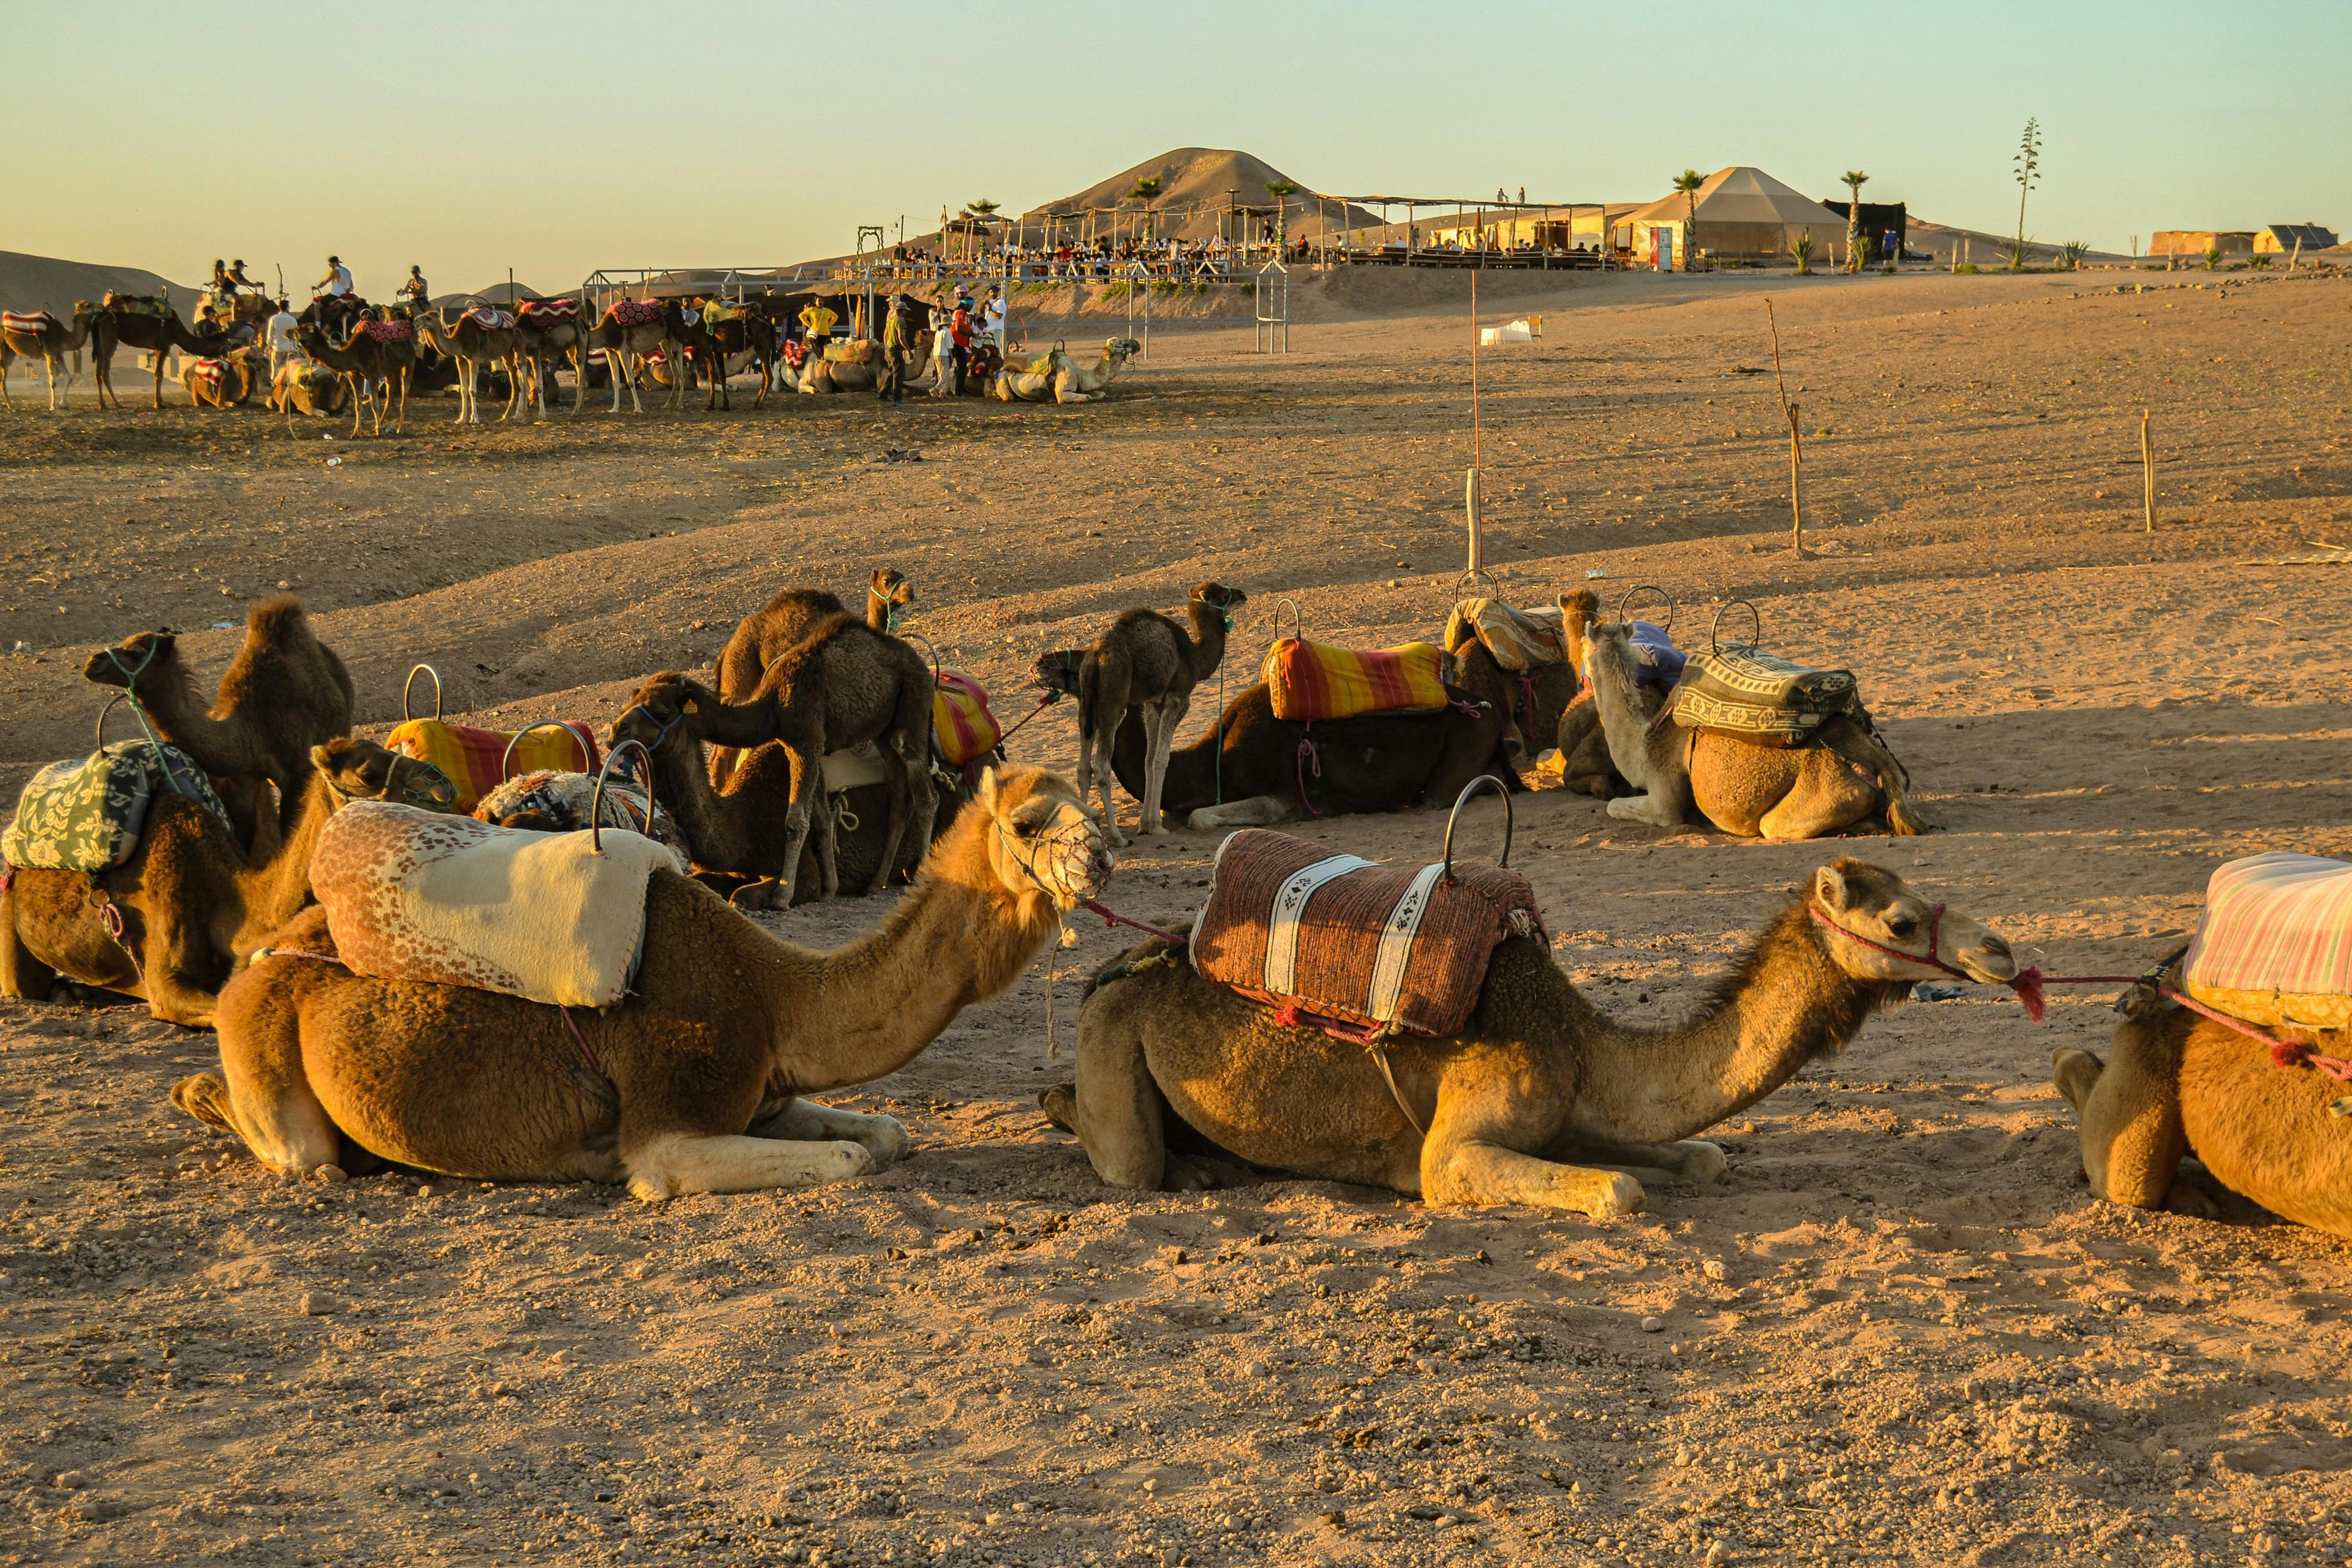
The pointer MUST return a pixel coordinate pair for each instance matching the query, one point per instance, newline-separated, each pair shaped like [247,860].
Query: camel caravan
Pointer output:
[541,955]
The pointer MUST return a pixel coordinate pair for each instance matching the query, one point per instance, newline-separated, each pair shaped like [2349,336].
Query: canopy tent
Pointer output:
[1739,211]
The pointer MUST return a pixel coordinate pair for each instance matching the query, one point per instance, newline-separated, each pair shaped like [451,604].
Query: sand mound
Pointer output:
[46,283]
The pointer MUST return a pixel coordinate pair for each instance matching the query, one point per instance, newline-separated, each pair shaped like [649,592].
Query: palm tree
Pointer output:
[1282,190]
[1147,191]
[1687,182]
[1855,244]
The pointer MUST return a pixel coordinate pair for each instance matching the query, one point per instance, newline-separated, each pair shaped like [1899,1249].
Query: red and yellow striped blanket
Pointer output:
[961,719]
[475,759]
[1316,680]
[2274,945]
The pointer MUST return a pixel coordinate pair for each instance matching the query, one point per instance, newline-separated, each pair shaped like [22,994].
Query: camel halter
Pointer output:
[2027,982]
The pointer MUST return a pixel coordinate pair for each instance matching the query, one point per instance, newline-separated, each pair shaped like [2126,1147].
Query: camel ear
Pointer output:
[986,792]
[1830,888]
[323,757]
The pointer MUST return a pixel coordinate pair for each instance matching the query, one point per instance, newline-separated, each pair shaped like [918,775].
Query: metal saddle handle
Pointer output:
[1482,782]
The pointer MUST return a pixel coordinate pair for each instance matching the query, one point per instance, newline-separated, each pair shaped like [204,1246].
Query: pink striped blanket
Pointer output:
[2274,945]
[29,323]
[545,314]
[490,320]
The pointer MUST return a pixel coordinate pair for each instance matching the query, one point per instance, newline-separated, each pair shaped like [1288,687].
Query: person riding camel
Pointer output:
[414,292]
[336,284]
[221,287]
[238,283]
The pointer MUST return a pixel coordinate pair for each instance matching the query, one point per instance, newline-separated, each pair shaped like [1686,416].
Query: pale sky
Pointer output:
[558,138]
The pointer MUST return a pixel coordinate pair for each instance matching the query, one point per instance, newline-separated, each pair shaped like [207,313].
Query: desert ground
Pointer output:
[1900,1332]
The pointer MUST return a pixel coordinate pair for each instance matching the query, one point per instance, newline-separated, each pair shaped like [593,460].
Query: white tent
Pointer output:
[1740,212]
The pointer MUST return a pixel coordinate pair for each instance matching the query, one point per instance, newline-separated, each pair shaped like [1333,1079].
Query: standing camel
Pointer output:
[480,339]
[761,638]
[1146,662]
[380,354]
[632,330]
[553,333]
[144,322]
[37,334]
[747,331]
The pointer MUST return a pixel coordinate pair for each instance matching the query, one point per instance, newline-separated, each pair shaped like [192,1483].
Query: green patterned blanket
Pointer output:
[1760,697]
[87,816]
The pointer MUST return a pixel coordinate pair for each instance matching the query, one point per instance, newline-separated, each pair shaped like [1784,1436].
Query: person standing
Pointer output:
[817,320]
[890,375]
[991,317]
[281,340]
[961,331]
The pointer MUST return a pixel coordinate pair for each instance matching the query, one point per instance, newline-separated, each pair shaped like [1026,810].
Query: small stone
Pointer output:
[425,1191]
[1714,1554]
[1152,1485]
[320,1304]
[1651,1326]
[1714,1269]
[68,1481]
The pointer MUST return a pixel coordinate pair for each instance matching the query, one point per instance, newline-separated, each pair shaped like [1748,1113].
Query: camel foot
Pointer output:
[2076,1072]
[1185,1174]
[679,1163]
[806,1121]
[2187,1199]
[767,893]
[205,1097]
[1060,1104]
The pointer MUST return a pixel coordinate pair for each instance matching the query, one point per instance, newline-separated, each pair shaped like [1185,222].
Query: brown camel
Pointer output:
[227,382]
[1584,763]
[481,339]
[1146,663]
[1845,776]
[761,638]
[385,362]
[1538,1090]
[284,693]
[629,332]
[308,389]
[751,334]
[170,923]
[37,335]
[2175,1084]
[844,685]
[549,339]
[696,1075]
[144,322]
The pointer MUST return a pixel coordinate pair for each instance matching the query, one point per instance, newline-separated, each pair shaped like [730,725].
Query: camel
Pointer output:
[1845,776]
[380,354]
[2175,1083]
[1535,1098]
[283,694]
[1146,664]
[750,333]
[224,382]
[480,339]
[37,335]
[843,685]
[631,330]
[1063,379]
[692,1083]
[761,638]
[170,923]
[306,388]
[146,323]
[548,342]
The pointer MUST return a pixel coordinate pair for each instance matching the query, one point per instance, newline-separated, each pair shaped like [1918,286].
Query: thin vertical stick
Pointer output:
[1796,452]
[1470,497]
[2147,475]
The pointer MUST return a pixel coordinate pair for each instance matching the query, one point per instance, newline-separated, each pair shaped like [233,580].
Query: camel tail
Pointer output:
[1900,819]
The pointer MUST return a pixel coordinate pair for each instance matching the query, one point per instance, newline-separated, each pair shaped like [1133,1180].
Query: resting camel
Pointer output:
[1539,1089]
[188,903]
[631,330]
[479,340]
[306,388]
[1063,380]
[1146,665]
[381,354]
[2175,1083]
[1843,776]
[762,637]
[1585,765]
[37,334]
[284,693]
[222,383]
[546,341]
[146,323]
[699,1070]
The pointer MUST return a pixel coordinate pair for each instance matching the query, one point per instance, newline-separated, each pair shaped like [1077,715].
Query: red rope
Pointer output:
[1113,917]
[1043,703]
[2284,1053]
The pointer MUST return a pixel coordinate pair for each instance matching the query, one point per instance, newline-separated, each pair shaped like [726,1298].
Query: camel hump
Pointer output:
[281,618]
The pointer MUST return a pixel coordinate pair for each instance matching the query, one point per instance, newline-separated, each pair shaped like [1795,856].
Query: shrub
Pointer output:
[2213,258]
[1801,247]
[1969,268]
[2071,254]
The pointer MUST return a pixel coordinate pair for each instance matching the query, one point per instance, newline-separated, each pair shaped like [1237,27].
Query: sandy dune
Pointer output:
[1927,1344]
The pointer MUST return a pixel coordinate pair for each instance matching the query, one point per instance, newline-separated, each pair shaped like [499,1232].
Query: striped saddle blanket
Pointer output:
[88,816]
[2274,945]
[488,320]
[475,760]
[392,331]
[1761,697]
[960,721]
[546,313]
[1520,639]
[204,372]
[31,324]
[1384,948]
[634,313]
[1316,680]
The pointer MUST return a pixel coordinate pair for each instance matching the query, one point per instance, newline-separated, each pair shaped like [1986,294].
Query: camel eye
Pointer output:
[1901,925]
[1025,827]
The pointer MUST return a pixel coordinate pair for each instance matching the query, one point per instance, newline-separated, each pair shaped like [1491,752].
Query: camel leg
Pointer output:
[1470,1172]
[21,974]
[902,806]
[1818,807]
[2129,1111]
[1115,1109]
[514,389]
[806,1121]
[1257,811]
[675,1163]
[826,824]
[1161,728]
[1656,810]
[805,788]
[1690,1160]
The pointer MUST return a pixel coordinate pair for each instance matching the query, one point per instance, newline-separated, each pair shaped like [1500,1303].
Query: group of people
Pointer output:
[970,327]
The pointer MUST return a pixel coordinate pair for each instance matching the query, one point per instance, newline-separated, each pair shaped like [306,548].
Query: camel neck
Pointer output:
[740,724]
[959,936]
[275,888]
[1787,1002]
[1208,648]
[716,837]
[222,747]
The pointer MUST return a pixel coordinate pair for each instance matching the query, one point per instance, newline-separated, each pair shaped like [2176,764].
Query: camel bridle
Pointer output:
[1930,959]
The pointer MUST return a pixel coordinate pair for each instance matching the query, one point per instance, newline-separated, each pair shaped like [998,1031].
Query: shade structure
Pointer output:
[1739,211]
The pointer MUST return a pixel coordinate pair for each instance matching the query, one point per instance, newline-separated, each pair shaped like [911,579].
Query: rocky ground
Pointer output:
[1900,1332]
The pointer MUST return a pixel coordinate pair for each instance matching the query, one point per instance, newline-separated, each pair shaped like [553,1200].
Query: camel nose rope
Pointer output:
[2284,1053]
[2026,983]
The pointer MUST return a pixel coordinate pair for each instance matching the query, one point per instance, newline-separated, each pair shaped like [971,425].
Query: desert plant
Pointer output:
[980,209]
[2028,164]
[2016,251]
[1969,269]
[1801,247]
[2213,258]
[2259,263]
[2071,254]
[1855,244]
[1282,190]
[1687,182]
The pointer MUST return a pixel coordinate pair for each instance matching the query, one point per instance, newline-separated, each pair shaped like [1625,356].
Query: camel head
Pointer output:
[1608,653]
[1577,611]
[1044,839]
[893,589]
[362,769]
[1120,349]
[152,656]
[653,718]
[1876,928]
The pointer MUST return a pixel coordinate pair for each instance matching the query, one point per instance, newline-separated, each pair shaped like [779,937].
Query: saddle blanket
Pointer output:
[421,896]
[2275,944]
[1760,697]
[795,354]
[857,351]
[1520,639]
[566,800]
[960,721]
[32,324]
[1316,680]
[205,372]
[1385,947]
[392,331]
[154,305]
[634,313]
[551,313]
[719,311]
[475,760]
[87,815]
[488,320]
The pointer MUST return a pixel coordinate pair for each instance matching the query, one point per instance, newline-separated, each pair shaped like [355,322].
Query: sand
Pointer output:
[1901,1330]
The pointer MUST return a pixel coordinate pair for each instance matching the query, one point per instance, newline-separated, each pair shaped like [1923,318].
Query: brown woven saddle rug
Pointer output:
[1333,939]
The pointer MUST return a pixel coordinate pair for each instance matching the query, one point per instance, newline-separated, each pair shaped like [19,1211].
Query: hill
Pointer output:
[1196,184]
[46,283]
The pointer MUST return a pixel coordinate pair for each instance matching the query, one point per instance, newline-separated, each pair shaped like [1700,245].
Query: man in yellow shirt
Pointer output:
[816,326]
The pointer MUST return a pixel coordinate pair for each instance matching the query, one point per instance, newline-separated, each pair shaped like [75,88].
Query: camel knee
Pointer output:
[2076,1073]
[205,1097]
[1060,1104]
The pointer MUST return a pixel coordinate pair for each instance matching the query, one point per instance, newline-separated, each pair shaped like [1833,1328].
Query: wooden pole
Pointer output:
[1472,510]
[2147,475]
[1796,442]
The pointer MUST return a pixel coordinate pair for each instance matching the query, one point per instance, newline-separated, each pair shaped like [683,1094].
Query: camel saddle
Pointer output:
[1387,949]
[475,760]
[549,312]
[1312,680]
[567,800]
[1751,695]
[795,354]
[1520,640]
[719,311]
[960,722]
[856,351]
[488,320]
[447,900]
[634,313]
[88,816]
[386,332]
[154,305]
[2275,944]
[30,323]
[207,371]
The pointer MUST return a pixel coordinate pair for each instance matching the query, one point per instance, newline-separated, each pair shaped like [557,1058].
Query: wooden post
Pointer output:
[2147,475]
[1796,444]
[1472,512]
